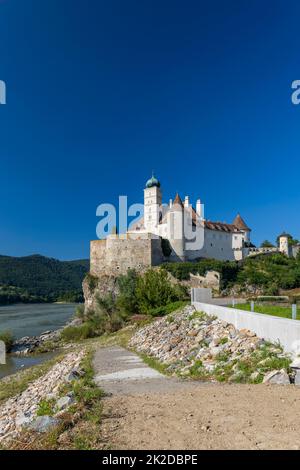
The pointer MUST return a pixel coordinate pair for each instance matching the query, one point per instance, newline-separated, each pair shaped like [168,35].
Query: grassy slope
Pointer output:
[275,310]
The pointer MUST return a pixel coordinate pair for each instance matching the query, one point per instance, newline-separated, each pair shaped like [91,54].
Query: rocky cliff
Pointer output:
[98,286]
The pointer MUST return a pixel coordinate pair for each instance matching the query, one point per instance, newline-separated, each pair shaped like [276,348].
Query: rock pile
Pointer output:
[21,410]
[28,344]
[191,343]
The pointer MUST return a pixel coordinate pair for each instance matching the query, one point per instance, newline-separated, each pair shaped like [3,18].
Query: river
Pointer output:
[31,320]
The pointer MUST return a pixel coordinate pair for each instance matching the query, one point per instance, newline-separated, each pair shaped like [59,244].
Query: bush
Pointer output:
[166,309]
[92,281]
[272,298]
[77,333]
[46,408]
[7,338]
[228,269]
[79,312]
[155,290]
[106,318]
[126,301]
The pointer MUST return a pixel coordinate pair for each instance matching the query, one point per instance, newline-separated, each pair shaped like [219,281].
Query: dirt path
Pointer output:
[150,411]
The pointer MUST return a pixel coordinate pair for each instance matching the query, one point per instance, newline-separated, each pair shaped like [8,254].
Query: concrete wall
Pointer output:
[201,294]
[274,329]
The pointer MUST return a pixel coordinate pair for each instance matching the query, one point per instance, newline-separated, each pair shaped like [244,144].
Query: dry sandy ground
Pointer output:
[172,415]
[210,417]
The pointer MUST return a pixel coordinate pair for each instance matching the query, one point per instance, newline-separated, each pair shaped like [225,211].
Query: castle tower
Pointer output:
[243,227]
[284,246]
[152,205]
[176,229]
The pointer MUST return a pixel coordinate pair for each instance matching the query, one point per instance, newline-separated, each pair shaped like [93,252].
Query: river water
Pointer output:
[31,320]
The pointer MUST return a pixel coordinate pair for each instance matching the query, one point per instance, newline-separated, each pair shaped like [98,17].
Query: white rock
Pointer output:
[297,377]
[23,419]
[43,423]
[296,363]
[278,377]
[64,402]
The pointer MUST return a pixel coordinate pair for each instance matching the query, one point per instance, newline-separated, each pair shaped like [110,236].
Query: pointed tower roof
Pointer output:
[177,199]
[240,223]
[177,202]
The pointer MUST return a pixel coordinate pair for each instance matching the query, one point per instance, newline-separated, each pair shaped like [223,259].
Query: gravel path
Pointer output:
[121,372]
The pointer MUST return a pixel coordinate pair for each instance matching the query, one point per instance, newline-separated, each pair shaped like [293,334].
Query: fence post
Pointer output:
[294,311]
[252,305]
[2,352]
[233,302]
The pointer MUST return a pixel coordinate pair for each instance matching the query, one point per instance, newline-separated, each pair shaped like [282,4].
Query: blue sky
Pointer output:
[100,93]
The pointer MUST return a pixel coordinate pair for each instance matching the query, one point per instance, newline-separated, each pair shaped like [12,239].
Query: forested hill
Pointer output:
[37,278]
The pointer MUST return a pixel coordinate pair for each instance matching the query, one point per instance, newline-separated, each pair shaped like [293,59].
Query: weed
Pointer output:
[46,408]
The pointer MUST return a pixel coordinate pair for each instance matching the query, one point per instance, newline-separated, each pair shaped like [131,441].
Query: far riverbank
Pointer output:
[32,320]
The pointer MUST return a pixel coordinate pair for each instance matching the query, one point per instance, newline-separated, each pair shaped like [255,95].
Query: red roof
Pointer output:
[240,223]
[177,201]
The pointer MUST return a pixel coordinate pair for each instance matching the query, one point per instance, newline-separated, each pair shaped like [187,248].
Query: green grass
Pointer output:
[7,338]
[46,408]
[198,316]
[197,371]
[275,310]
[154,363]
[169,308]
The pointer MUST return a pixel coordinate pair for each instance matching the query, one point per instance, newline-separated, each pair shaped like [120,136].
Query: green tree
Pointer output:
[267,244]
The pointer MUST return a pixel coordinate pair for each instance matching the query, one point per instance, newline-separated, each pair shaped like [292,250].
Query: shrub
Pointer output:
[166,309]
[106,318]
[77,333]
[181,292]
[79,312]
[228,269]
[92,281]
[126,300]
[154,290]
[46,408]
[272,298]
[7,338]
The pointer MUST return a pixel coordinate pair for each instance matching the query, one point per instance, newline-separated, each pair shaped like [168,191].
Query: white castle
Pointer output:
[165,233]
[170,221]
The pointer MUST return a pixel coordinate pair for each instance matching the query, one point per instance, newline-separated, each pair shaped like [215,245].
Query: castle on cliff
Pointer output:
[169,232]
